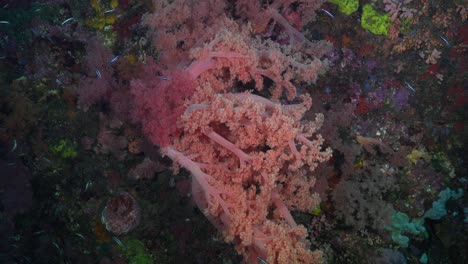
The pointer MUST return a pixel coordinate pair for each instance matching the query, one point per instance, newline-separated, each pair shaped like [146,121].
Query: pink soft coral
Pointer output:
[267,17]
[251,158]
[247,59]
[228,57]
[160,96]
[180,25]
[240,149]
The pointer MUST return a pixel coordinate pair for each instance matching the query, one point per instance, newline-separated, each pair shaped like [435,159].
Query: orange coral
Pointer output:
[366,50]
[100,232]
[134,146]
[346,41]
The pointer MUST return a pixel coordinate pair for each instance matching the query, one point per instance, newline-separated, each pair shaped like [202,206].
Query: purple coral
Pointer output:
[400,98]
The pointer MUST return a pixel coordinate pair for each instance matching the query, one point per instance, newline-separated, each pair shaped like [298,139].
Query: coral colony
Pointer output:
[251,157]
[206,105]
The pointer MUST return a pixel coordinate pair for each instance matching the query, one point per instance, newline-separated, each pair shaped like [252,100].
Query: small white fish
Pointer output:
[88,185]
[261,261]
[115,59]
[327,12]
[445,41]
[27,259]
[68,20]
[116,240]
[39,232]
[109,11]
[410,87]
[165,78]
[98,73]
[14,146]
[57,246]
[4,22]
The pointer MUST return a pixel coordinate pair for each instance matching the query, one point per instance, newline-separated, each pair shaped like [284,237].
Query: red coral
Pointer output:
[363,106]
[123,26]
[99,80]
[460,96]
[431,72]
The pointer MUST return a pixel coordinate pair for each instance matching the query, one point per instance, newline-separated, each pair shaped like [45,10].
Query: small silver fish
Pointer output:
[57,246]
[410,87]
[67,20]
[115,59]
[445,41]
[27,259]
[4,22]
[15,145]
[165,78]
[80,236]
[98,73]
[40,232]
[261,261]
[88,185]
[116,240]
[109,11]
[327,12]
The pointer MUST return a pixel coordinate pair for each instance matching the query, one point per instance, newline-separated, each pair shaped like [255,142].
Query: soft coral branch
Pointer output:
[211,194]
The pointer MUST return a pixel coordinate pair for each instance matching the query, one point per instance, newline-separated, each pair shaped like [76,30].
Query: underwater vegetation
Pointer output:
[64,149]
[374,22]
[240,131]
[346,7]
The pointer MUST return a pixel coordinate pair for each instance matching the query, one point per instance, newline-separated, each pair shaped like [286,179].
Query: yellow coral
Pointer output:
[101,19]
[114,3]
[415,155]
[360,164]
[96,5]
[131,58]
